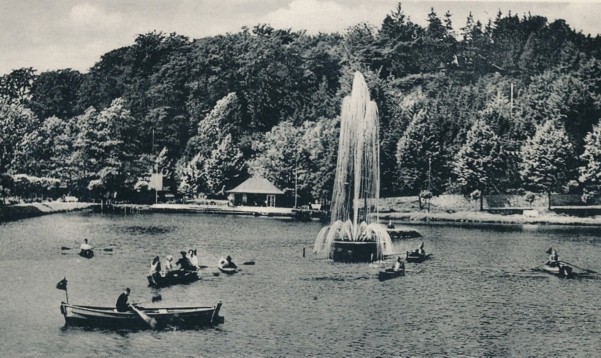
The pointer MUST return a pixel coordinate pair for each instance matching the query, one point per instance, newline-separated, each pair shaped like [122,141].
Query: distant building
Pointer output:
[255,192]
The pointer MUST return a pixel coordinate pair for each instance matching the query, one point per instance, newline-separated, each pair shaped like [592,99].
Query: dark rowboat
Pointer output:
[88,254]
[169,317]
[387,274]
[413,256]
[172,278]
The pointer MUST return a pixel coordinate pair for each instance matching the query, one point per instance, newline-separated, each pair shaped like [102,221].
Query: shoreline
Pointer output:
[30,210]
[476,217]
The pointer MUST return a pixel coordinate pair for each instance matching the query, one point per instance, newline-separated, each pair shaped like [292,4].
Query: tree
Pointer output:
[16,86]
[17,124]
[477,164]
[225,168]
[417,153]
[546,158]
[55,93]
[590,171]
[277,156]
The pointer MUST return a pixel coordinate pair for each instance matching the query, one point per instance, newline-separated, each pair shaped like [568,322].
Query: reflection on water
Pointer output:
[475,297]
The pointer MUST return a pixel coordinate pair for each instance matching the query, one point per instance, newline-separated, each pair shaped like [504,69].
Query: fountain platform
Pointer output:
[354,251]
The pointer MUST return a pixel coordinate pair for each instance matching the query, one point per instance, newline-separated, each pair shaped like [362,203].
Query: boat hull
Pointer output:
[354,251]
[228,270]
[562,271]
[172,278]
[389,273]
[416,257]
[88,254]
[109,318]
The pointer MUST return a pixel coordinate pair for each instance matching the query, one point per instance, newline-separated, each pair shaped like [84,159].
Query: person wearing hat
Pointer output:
[122,305]
[184,262]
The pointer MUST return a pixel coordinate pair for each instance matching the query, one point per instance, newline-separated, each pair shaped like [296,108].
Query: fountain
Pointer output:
[352,236]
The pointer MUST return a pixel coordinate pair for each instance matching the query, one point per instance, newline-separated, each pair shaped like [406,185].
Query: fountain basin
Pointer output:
[354,251]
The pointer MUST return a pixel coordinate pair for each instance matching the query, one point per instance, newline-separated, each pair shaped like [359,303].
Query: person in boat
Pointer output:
[398,265]
[155,266]
[184,262]
[122,305]
[85,245]
[228,263]
[553,258]
[168,264]
[421,249]
[390,225]
[193,258]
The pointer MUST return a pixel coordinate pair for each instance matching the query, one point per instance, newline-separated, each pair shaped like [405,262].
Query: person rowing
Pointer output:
[85,245]
[553,258]
[227,263]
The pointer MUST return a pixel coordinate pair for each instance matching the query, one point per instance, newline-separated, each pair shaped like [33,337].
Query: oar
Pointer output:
[583,269]
[535,267]
[103,249]
[149,320]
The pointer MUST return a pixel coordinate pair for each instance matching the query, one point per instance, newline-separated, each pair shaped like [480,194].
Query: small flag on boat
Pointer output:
[549,251]
[62,284]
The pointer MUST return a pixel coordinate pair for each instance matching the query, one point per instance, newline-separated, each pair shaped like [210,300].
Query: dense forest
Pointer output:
[502,107]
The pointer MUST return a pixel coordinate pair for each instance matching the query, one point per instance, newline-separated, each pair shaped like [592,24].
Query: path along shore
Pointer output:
[482,217]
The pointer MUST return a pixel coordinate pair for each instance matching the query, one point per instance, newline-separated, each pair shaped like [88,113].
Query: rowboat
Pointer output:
[172,278]
[169,317]
[88,254]
[413,256]
[562,270]
[389,273]
[227,266]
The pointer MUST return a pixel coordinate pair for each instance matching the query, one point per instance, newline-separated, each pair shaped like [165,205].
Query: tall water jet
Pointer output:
[354,233]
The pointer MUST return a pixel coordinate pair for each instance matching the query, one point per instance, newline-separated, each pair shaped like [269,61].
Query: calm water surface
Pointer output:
[472,299]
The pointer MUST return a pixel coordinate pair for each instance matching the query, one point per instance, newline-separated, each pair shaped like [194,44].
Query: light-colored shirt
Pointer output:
[168,265]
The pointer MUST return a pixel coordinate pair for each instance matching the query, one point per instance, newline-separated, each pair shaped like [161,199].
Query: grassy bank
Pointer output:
[23,211]
[455,208]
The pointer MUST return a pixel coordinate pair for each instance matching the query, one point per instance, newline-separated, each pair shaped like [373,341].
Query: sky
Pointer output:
[59,34]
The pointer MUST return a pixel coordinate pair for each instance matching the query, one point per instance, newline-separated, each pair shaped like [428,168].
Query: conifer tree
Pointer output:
[546,158]
[590,171]
[477,164]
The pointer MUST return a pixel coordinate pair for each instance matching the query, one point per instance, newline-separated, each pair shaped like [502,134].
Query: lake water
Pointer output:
[472,299]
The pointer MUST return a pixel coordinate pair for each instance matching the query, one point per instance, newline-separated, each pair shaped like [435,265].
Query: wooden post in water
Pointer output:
[303,252]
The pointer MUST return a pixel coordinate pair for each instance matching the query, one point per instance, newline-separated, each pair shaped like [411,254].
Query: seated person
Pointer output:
[168,263]
[155,266]
[193,258]
[398,265]
[227,263]
[184,262]
[553,259]
[421,249]
[85,246]
[122,305]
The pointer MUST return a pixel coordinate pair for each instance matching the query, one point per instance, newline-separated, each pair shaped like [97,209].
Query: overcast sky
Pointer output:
[50,35]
